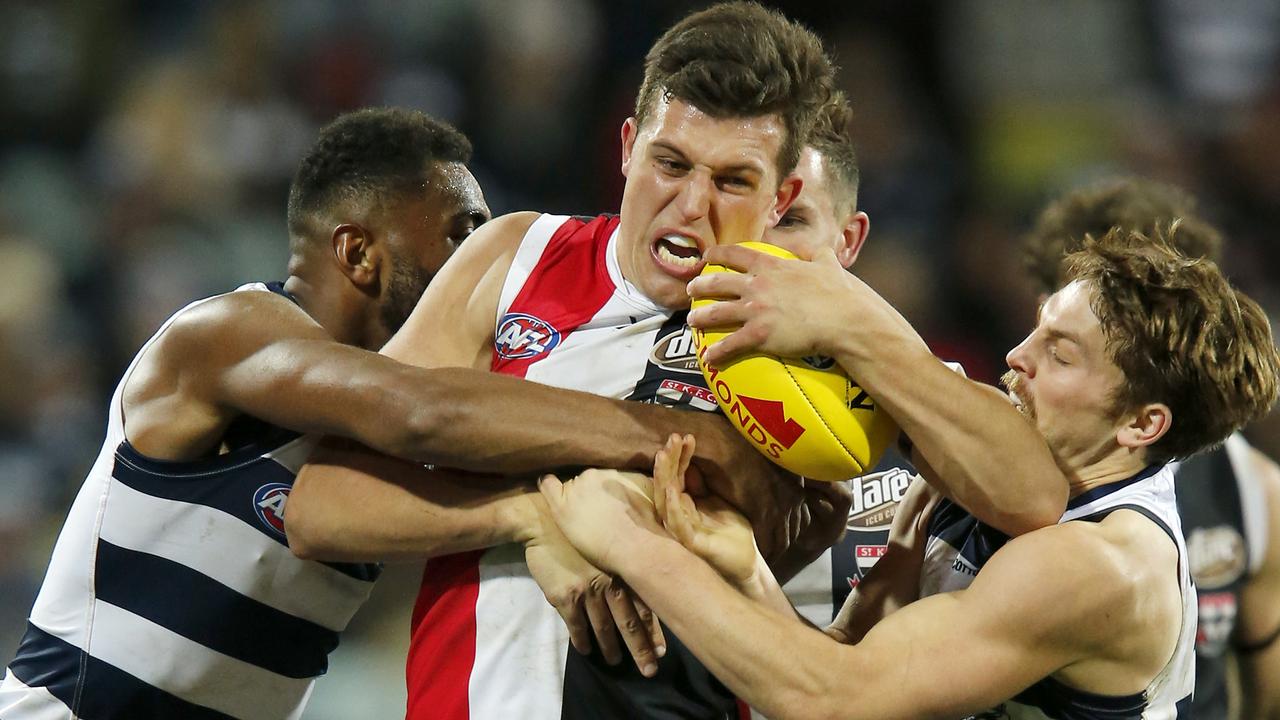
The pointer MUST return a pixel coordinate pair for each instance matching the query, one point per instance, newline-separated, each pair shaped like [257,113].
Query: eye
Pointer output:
[1057,357]
[736,182]
[671,166]
[792,219]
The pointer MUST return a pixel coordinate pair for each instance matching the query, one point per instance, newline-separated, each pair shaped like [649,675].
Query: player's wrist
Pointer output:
[522,520]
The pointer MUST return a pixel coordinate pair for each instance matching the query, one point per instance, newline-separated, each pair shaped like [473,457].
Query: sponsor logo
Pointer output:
[764,422]
[674,351]
[1216,555]
[269,501]
[678,393]
[819,362]
[875,499]
[523,336]
[963,567]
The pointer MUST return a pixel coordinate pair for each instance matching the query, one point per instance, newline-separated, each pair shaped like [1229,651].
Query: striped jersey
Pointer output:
[485,642]
[172,593]
[959,545]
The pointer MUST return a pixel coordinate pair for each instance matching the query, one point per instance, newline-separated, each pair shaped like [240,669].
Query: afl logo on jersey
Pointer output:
[522,336]
[269,502]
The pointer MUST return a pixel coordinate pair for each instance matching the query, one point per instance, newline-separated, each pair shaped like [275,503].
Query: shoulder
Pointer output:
[230,320]
[1097,577]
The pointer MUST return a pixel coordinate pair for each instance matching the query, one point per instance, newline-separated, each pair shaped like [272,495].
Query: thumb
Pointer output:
[553,491]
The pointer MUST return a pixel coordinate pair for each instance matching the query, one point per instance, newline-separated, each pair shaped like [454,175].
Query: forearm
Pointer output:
[984,453]
[353,505]
[500,424]
[765,655]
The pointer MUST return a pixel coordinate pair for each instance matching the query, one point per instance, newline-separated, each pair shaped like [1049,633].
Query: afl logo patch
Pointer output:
[523,336]
[269,502]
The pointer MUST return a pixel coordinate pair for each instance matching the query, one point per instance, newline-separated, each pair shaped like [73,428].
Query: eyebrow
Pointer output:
[741,167]
[1055,334]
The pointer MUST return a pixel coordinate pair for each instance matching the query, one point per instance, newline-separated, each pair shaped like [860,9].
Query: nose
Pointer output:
[694,201]
[1019,358]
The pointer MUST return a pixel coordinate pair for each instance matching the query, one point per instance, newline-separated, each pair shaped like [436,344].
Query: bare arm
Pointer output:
[910,665]
[1258,631]
[894,581]
[987,457]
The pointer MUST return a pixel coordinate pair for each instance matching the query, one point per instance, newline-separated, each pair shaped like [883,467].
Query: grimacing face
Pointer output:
[817,217]
[693,182]
[423,234]
[1062,379]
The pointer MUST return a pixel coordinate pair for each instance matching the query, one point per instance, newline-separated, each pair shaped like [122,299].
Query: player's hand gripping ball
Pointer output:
[805,414]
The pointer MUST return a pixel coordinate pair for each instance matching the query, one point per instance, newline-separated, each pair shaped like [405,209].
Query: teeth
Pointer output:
[681,241]
[668,257]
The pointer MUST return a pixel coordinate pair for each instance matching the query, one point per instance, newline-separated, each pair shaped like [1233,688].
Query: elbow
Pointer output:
[305,534]
[1038,512]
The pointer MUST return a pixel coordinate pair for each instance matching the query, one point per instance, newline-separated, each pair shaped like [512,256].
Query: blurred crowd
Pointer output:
[146,148]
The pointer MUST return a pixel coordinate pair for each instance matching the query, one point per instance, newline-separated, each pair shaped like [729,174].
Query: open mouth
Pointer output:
[679,255]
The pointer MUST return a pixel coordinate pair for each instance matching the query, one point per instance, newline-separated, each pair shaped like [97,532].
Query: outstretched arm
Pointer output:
[911,664]
[986,456]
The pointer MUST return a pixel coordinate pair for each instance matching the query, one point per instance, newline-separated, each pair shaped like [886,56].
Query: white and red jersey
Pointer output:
[485,642]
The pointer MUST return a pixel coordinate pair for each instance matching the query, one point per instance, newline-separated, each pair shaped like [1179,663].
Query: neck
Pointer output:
[1120,464]
[340,318]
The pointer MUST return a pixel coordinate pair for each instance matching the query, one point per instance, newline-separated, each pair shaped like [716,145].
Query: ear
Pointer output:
[630,129]
[787,193]
[354,251]
[852,236]
[1146,426]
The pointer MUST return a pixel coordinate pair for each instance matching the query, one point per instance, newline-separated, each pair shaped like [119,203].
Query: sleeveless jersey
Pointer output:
[958,546]
[485,642]
[172,593]
[1224,516]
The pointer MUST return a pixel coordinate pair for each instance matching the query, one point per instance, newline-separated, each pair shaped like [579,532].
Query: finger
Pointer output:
[739,258]
[553,490]
[740,342]
[678,522]
[722,315]
[635,635]
[650,620]
[717,286]
[687,447]
[575,618]
[601,619]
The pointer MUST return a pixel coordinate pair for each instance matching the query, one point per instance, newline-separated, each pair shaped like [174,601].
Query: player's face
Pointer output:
[816,217]
[423,235]
[1062,379]
[693,182]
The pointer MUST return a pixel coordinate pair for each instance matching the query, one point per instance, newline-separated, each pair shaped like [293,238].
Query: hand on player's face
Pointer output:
[709,527]
[780,306]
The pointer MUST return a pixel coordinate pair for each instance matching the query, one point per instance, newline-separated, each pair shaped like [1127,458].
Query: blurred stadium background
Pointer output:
[146,148]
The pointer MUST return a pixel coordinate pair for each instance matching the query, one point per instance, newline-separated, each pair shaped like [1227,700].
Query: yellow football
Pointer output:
[805,414]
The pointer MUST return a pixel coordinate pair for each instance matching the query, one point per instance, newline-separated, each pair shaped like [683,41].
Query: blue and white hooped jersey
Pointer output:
[958,546]
[172,593]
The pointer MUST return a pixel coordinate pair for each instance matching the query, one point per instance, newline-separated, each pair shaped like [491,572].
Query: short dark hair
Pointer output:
[740,59]
[832,139]
[1182,336]
[1132,204]
[374,152]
